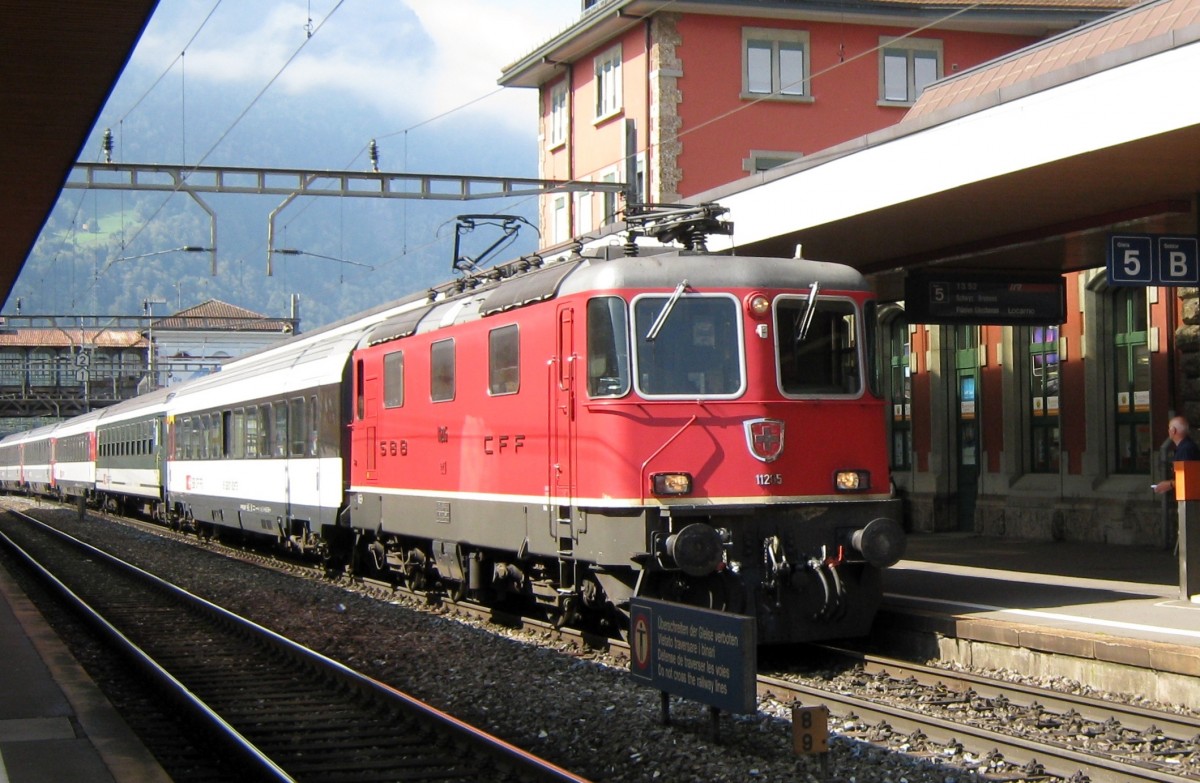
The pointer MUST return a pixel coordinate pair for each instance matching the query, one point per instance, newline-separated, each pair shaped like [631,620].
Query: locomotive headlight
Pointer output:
[852,480]
[672,483]
[758,305]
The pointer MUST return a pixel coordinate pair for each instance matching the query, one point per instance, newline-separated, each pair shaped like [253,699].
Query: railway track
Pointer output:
[283,712]
[1012,730]
[1041,731]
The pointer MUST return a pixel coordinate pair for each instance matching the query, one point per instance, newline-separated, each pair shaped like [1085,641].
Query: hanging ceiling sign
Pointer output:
[983,298]
[1153,259]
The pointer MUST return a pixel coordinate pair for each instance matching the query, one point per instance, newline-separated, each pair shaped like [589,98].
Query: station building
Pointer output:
[50,372]
[1014,166]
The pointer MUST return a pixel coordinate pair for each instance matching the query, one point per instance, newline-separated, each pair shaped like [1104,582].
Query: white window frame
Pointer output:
[559,115]
[778,41]
[911,49]
[583,212]
[608,84]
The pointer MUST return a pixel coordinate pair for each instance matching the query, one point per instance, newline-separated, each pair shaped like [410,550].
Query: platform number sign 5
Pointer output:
[1153,259]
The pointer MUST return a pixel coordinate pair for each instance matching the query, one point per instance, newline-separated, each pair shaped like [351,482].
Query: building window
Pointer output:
[610,201]
[504,372]
[562,223]
[1044,442]
[441,366]
[906,67]
[583,213]
[774,63]
[558,114]
[761,160]
[1131,362]
[393,379]
[899,392]
[608,83]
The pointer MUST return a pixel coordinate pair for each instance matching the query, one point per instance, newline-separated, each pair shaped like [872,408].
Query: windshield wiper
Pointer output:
[657,326]
[809,313]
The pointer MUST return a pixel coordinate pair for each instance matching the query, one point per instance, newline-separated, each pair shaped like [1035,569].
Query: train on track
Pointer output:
[568,434]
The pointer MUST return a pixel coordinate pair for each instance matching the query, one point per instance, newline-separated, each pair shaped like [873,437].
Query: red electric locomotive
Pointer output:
[694,427]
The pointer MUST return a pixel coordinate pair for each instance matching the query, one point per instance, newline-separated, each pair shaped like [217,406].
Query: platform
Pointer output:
[1109,616]
[55,724]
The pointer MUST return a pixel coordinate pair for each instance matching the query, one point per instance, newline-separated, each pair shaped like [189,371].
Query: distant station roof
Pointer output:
[215,315]
[51,337]
[58,64]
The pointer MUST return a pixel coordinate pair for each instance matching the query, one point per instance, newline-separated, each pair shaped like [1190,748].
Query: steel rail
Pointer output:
[526,765]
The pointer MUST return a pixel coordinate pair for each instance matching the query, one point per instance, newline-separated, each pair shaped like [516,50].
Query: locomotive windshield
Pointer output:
[818,346]
[687,345]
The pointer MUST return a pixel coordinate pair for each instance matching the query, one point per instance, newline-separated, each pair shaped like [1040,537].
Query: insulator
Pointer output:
[373,152]
[108,145]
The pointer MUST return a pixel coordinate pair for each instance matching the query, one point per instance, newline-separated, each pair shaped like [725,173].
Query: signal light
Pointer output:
[758,305]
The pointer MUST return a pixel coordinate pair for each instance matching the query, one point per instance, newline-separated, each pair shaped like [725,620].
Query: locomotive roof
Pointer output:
[575,275]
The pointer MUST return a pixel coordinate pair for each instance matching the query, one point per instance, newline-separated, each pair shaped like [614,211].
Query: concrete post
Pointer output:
[1187,492]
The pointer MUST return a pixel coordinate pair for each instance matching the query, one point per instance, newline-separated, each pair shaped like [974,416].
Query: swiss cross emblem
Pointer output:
[764,438]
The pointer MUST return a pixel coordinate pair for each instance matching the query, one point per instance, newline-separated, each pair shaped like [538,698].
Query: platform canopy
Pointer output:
[58,64]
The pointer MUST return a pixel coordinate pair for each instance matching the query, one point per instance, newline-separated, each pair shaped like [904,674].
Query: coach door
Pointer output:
[562,422]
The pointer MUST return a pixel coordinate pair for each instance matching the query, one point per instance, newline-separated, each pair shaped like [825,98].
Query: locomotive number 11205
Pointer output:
[768,479]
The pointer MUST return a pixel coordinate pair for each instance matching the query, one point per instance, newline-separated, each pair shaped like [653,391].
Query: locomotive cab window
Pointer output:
[607,347]
[688,345]
[504,372]
[818,349]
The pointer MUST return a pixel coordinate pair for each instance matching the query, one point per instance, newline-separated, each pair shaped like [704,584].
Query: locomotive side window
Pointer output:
[393,379]
[441,371]
[818,350]
[688,346]
[607,347]
[504,372]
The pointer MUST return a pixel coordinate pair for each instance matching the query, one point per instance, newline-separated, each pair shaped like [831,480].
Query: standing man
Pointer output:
[1185,450]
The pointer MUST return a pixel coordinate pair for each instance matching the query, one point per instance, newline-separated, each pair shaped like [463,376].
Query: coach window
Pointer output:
[504,375]
[279,440]
[441,368]
[393,379]
[236,429]
[251,420]
[299,425]
[197,438]
[1045,447]
[314,427]
[1131,361]
[264,430]
[607,347]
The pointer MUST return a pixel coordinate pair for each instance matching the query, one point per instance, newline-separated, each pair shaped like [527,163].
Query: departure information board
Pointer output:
[974,298]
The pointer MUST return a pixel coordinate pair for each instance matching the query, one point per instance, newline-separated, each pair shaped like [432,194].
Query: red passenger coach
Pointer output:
[680,425]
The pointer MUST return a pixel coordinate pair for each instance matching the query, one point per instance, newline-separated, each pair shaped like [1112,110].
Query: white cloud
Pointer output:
[411,61]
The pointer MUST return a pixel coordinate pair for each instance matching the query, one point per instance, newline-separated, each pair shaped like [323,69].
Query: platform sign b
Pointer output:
[1153,259]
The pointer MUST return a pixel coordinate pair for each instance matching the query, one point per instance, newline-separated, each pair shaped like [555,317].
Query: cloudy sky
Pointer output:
[404,61]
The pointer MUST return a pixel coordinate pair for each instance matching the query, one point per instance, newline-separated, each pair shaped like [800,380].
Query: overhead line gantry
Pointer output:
[294,183]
